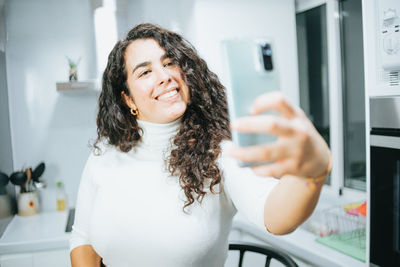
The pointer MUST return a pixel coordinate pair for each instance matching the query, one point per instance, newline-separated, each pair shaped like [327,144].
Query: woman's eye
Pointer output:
[170,62]
[144,73]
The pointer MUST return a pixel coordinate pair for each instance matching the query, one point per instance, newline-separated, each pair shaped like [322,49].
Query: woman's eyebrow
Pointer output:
[143,64]
[146,63]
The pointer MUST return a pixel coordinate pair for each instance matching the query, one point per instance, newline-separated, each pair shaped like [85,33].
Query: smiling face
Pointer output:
[156,87]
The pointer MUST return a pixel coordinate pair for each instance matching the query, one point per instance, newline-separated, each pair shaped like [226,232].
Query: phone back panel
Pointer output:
[248,80]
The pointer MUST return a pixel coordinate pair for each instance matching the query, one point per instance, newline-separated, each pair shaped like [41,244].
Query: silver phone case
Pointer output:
[248,80]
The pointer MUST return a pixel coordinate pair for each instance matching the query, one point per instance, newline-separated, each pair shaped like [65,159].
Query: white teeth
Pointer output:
[169,94]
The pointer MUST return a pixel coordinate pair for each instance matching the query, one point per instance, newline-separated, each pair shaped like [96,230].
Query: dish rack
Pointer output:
[342,223]
[346,227]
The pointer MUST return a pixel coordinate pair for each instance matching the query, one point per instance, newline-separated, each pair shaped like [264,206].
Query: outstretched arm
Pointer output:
[300,157]
[85,256]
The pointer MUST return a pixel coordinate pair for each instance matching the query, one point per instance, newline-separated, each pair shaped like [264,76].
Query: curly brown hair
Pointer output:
[205,122]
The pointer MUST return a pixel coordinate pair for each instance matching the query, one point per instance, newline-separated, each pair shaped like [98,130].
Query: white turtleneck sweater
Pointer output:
[129,208]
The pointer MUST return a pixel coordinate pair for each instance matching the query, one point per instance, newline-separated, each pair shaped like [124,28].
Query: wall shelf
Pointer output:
[86,87]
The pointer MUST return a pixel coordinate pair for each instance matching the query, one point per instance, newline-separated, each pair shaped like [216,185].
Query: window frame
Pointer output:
[336,187]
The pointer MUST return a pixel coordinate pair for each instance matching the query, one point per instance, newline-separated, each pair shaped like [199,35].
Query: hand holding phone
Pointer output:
[299,150]
[252,72]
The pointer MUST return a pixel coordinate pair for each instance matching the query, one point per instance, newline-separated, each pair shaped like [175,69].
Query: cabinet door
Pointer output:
[51,258]
[16,260]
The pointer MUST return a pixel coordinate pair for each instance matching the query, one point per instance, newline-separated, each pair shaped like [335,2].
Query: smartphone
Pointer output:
[252,71]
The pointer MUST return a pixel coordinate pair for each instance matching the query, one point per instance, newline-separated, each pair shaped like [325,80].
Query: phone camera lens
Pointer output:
[267,57]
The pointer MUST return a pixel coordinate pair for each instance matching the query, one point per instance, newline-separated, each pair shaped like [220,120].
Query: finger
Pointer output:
[263,124]
[273,101]
[270,152]
[276,169]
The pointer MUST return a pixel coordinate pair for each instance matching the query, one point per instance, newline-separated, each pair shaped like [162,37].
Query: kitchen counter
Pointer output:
[44,231]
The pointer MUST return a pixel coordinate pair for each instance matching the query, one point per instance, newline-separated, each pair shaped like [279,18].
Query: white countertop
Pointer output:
[43,231]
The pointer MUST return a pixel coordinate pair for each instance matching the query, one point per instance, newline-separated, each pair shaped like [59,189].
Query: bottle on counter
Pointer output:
[61,197]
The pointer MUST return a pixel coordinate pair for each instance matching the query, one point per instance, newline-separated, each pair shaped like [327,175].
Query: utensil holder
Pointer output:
[28,203]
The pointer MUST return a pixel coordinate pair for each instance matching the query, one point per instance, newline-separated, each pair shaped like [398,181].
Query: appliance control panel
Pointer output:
[389,34]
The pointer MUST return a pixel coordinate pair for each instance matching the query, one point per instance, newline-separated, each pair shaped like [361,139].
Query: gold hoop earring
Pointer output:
[134,112]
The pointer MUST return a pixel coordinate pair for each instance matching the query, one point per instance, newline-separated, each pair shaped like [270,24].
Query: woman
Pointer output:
[160,189]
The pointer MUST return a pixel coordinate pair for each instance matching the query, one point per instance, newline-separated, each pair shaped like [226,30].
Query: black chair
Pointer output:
[271,253]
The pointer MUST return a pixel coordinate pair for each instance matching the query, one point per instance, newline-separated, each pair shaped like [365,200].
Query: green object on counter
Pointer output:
[350,243]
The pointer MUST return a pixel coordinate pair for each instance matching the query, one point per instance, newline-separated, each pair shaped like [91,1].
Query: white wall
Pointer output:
[46,125]
[215,21]
[175,15]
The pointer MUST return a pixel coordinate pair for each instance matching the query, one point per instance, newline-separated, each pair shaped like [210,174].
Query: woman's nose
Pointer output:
[163,76]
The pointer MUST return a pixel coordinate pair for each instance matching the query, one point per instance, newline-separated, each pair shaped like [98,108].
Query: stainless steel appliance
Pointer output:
[385,181]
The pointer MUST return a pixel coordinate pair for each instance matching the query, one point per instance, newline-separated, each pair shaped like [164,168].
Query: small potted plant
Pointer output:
[73,69]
